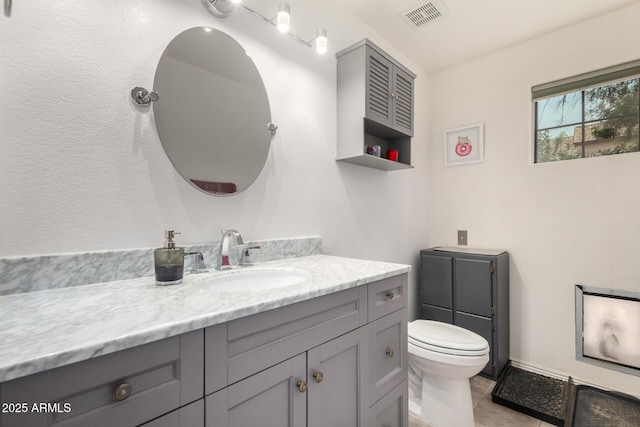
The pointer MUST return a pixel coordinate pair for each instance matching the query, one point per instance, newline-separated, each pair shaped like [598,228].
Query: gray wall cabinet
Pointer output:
[375,106]
[469,288]
[335,360]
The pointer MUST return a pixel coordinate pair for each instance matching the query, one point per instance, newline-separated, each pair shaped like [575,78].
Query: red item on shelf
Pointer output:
[392,155]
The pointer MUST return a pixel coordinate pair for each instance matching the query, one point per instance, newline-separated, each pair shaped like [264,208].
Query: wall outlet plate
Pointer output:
[462,237]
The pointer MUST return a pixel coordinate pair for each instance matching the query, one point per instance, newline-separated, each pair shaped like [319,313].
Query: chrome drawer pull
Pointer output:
[319,376]
[122,391]
[389,295]
[302,386]
[390,352]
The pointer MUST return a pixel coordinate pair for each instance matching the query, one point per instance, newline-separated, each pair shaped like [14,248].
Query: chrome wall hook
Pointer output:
[7,8]
[143,97]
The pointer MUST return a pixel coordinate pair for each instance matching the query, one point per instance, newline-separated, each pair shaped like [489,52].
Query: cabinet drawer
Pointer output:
[393,409]
[264,339]
[388,364]
[387,296]
[159,377]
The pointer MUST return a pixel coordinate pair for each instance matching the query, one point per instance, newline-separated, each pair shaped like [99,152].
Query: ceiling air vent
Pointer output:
[424,13]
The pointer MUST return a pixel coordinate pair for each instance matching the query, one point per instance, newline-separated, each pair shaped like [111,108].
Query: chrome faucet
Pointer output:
[223,258]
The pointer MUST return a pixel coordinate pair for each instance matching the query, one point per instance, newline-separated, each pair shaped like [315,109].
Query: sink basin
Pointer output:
[255,280]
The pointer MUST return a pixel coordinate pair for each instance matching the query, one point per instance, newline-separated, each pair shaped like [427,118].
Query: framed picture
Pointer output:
[464,145]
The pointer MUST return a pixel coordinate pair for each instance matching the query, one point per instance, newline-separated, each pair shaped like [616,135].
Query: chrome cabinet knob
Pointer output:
[122,391]
[302,386]
[389,295]
[318,376]
[390,352]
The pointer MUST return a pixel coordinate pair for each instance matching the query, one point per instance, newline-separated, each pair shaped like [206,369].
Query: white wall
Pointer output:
[81,169]
[563,222]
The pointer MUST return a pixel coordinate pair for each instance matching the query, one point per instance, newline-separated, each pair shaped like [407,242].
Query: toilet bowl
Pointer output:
[442,358]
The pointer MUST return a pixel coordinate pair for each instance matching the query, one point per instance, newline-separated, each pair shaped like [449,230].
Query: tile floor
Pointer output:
[487,413]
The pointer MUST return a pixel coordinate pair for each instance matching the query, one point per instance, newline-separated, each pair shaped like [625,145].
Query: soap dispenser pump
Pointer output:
[169,261]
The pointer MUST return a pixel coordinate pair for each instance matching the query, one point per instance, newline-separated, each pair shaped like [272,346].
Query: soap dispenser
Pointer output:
[169,261]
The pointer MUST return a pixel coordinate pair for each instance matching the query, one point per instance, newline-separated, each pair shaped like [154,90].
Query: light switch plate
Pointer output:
[462,237]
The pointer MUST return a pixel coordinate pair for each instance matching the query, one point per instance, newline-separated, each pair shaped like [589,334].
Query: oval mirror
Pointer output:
[213,115]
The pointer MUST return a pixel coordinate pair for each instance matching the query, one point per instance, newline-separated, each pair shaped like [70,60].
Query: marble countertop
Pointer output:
[51,328]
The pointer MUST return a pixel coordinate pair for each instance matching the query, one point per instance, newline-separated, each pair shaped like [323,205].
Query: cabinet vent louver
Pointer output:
[424,13]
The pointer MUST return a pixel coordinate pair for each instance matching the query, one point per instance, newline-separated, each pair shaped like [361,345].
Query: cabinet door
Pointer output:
[393,409]
[271,398]
[338,375]
[378,88]
[402,95]
[473,286]
[436,281]
[191,415]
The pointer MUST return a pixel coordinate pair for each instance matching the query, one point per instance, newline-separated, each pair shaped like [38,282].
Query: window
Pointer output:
[595,114]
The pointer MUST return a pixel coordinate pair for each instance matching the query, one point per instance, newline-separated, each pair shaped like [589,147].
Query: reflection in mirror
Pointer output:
[213,116]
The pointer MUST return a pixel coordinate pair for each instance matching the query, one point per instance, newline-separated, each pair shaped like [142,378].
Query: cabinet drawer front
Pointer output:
[150,378]
[388,364]
[387,296]
[264,339]
[393,409]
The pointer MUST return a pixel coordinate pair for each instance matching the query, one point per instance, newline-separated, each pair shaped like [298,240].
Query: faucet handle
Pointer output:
[198,263]
[244,258]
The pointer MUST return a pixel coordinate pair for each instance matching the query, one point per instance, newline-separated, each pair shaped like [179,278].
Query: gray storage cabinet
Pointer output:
[335,360]
[375,106]
[469,288]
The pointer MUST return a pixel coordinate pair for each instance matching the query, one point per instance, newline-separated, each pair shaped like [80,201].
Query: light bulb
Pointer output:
[283,17]
[321,41]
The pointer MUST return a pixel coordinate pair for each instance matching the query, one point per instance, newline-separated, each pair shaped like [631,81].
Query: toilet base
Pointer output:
[443,402]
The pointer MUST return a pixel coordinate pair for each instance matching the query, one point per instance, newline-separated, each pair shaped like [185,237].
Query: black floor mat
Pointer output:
[532,394]
[593,407]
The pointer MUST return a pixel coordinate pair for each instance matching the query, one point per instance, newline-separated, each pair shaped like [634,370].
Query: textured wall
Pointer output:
[563,222]
[81,169]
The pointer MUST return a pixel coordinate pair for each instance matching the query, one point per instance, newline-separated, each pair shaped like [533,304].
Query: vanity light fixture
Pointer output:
[221,8]
[283,17]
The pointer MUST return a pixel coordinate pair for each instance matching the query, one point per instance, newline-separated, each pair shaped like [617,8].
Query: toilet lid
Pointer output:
[446,338]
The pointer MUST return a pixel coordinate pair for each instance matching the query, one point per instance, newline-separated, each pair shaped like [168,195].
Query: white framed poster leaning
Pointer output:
[464,145]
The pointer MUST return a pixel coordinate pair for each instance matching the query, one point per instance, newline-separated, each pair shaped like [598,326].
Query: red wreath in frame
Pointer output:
[463,147]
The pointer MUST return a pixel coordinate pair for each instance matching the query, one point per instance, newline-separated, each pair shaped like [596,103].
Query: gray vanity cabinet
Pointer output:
[375,107]
[469,288]
[335,360]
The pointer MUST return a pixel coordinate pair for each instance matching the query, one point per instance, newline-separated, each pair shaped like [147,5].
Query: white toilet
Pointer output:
[442,358]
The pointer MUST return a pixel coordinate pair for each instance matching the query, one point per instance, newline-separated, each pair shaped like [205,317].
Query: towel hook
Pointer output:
[7,8]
